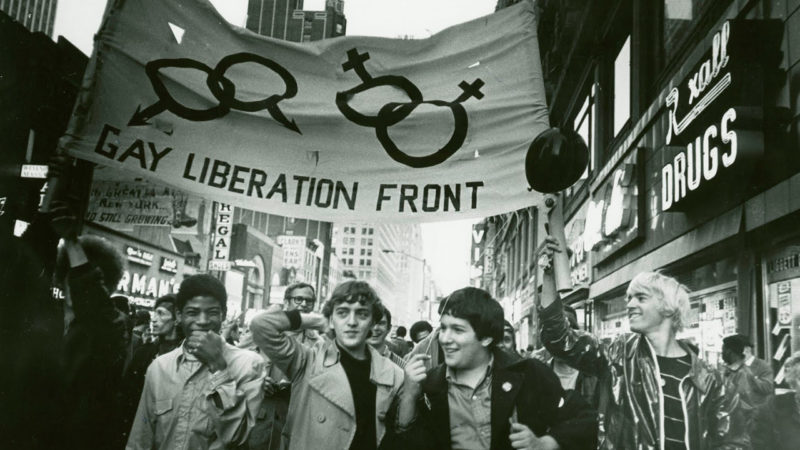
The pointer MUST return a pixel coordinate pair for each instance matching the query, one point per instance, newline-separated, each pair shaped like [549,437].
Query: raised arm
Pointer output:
[269,333]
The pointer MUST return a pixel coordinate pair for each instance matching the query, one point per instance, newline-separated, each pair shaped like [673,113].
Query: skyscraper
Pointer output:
[35,15]
[286,19]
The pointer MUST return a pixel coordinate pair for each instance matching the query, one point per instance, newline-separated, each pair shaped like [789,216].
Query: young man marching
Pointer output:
[205,393]
[655,392]
[341,390]
[484,398]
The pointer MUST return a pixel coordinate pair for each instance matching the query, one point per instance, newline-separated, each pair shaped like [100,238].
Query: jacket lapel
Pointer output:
[331,382]
[506,385]
[435,398]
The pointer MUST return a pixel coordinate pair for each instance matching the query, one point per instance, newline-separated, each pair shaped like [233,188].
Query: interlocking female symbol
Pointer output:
[392,113]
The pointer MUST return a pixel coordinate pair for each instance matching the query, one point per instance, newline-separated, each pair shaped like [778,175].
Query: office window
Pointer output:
[679,19]
[363,251]
[583,124]
[369,241]
[622,86]
[369,252]
[369,262]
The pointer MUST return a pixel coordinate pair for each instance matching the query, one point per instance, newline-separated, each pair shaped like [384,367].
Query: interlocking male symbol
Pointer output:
[394,112]
[221,87]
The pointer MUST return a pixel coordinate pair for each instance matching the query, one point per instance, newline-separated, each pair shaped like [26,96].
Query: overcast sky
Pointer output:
[446,244]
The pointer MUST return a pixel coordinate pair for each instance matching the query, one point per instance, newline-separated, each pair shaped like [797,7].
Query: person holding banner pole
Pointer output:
[655,392]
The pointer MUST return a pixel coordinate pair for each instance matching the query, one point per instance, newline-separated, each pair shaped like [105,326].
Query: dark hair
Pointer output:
[100,253]
[735,343]
[401,331]
[168,301]
[201,285]
[295,286]
[386,313]
[419,327]
[572,316]
[477,307]
[122,304]
[351,292]
[507,326]
[142,318]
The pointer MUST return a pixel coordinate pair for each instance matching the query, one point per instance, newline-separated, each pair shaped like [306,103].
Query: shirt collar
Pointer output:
[451,378]
[749,360]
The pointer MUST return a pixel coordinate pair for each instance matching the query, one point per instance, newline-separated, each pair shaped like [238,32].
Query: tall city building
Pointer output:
[35,15]
[286,19]
[389,257]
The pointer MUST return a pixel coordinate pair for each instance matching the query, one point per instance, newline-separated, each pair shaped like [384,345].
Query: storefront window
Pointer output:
[783,301]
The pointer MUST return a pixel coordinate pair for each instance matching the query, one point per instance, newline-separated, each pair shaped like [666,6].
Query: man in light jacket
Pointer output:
[342,391]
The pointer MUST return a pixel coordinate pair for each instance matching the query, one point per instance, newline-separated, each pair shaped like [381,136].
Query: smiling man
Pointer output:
[482,397]
[341,390]
[377,339]
[205,393]
[659,393]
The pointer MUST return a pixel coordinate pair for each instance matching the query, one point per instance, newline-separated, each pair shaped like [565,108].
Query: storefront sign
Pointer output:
[139,256]
[478,235]
[37,171]
[614,213]
[168,265]
[715,117]
[222,239]
[294,248]
[145,285]
[784,264]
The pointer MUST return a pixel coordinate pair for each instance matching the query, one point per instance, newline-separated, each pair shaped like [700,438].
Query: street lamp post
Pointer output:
[422,260]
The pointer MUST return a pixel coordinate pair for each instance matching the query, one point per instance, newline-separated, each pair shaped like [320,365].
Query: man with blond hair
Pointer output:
[655,392]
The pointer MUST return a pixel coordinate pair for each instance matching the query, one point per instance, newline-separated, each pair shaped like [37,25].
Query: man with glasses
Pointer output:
[300,296]
[271,416]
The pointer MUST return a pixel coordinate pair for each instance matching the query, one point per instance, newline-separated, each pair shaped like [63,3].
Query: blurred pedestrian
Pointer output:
[584,383]
[167,338]
[658,393]
[380,331]
[399,344]
[204,394]
[482,397]
[420,330]
[787,412]
[341,390]
[739,383]
[88,269]
[508,343]
[763,395]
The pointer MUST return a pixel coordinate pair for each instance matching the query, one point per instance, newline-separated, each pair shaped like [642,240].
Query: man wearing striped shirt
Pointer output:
[655,391]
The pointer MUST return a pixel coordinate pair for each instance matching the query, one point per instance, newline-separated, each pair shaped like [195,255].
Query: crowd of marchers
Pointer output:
[86,375]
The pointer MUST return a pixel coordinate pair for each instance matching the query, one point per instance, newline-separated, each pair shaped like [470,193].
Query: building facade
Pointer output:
[35,15]
[389,257]
[286,19]
[690,113]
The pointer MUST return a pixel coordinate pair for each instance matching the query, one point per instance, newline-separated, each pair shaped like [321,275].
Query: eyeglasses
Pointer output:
[300,300]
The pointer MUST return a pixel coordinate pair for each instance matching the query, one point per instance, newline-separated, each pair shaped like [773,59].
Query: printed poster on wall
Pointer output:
[347,128]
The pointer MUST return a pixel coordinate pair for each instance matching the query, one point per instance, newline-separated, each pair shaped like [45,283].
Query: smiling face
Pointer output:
[163,321]
[644,311]
[461,346]
[351,322]
[201,313]
[379,332]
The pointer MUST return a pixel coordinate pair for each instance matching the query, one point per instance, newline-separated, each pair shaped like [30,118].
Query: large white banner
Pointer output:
[352,128]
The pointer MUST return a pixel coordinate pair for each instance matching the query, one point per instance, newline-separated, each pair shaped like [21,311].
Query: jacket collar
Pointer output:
[380,372]
[699,374]
[507,378]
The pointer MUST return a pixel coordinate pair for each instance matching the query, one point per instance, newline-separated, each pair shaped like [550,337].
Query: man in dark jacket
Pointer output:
[88,269]
[484,397]
[654,390]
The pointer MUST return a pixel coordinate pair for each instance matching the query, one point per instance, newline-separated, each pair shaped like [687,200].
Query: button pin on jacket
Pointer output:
[506,386]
